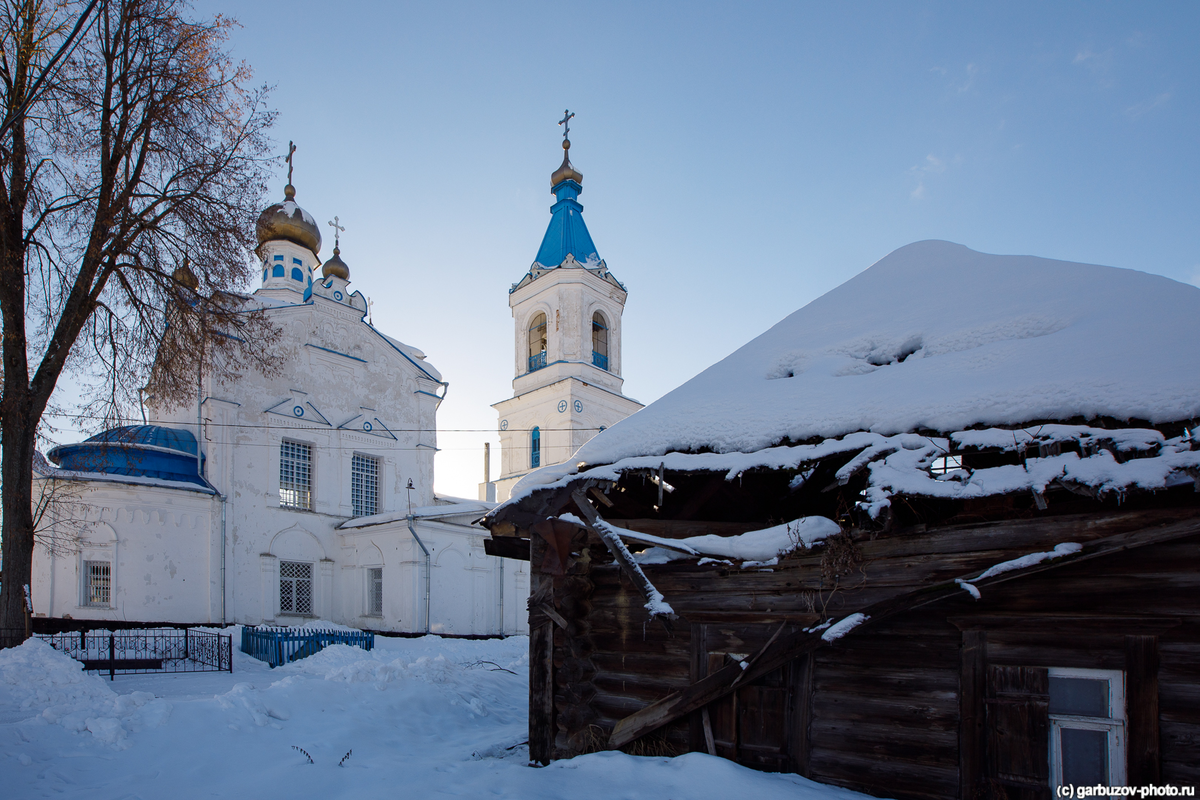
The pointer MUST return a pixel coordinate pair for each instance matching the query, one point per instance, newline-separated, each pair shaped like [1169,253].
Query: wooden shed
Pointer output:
[993,606]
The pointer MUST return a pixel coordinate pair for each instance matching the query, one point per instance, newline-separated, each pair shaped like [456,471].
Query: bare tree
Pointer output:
[131,141]
[59,512]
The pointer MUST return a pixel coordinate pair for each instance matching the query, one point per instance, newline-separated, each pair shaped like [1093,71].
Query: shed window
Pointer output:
[537,342]
[295,475]
[535,448]
[295,587]
[599,341]
[1087,727]
[97,583]
[375,592]
[364,485]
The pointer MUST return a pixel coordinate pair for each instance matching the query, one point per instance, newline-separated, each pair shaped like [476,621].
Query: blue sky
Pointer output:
[739,160]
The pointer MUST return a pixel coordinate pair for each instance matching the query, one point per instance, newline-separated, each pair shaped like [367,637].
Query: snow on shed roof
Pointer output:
[936,336]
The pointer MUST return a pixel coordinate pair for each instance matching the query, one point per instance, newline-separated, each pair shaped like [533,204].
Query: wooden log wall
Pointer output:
[878,711]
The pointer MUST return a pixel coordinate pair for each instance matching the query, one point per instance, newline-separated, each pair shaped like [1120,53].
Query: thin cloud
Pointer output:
[925,170]
[1137,110]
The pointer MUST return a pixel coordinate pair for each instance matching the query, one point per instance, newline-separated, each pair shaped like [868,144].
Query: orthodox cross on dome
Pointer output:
[566,123]
[337,231]
[291,152]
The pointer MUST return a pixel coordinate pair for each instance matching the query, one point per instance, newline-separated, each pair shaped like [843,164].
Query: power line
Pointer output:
[247,426]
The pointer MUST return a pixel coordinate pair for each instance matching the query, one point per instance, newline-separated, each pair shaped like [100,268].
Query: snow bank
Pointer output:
[935,336]
[424,717]
[38,681]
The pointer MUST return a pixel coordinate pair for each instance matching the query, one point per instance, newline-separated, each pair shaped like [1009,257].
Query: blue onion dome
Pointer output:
[290,222]
[565,172]
[144,451]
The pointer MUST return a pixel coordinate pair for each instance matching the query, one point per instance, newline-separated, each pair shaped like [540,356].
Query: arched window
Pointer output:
[599,341]
[297,274]
[537,342]
[535,448]
[277,271]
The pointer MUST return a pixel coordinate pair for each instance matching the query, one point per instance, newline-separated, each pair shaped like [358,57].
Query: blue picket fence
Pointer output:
[279,646]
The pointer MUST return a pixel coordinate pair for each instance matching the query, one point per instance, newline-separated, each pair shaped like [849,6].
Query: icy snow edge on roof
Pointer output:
[936,336]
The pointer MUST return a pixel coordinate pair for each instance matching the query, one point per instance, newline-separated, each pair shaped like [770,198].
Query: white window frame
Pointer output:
[374,578]
[85,589]
[1114,724]
[295,581]
[293,494]
[357,492]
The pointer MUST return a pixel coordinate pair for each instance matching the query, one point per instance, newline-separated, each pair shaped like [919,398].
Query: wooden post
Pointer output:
[1141,702]
[541,693]
[972,731]
[801,711]
[698,669]
[541,664]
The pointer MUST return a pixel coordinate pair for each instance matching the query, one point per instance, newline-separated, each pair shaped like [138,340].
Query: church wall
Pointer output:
[159,546]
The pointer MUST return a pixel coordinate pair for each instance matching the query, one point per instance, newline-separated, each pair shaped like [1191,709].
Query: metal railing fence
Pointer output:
[127,652]
[279,646]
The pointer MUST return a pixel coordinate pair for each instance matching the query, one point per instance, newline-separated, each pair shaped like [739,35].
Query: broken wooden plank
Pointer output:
[655,603]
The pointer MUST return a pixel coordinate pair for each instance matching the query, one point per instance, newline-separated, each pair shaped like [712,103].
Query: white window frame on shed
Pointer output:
[374,591]
[96,584]
[364,485]
[292,578]
[1114,724]
[295,474]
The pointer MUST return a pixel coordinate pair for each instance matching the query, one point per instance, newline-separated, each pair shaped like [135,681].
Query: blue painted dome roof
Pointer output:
[567,233]
[146,451]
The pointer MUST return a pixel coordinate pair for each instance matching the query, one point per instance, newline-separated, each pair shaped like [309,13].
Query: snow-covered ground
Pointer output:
[420,718]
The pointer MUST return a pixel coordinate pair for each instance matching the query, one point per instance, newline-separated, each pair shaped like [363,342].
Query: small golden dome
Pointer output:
[184,276]
[566,172]
[290,222]
[335,267]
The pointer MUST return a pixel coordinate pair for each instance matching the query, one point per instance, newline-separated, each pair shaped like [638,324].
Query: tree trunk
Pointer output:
[17,450]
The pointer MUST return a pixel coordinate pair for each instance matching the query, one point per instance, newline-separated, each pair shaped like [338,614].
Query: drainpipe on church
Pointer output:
[424,550]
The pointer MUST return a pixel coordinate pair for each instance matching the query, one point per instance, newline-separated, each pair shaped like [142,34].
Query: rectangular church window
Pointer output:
[375,592]
[364,485]
[295,587]
[97,583]
[295,475]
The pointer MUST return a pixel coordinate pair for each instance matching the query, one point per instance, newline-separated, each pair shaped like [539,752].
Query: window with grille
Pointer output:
[295,475]
[364,485]
[537,342]
[295,587]
[97,583]
[375,592]
[599,341]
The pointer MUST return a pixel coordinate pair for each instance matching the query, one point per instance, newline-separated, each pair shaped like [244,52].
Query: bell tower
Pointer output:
[567,343]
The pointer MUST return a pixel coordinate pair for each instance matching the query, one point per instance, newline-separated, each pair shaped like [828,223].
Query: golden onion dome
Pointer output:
[566,172]
[184,276]
[335,267]
[290,222]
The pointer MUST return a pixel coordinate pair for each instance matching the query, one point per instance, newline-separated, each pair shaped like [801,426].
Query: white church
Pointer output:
[308,494]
